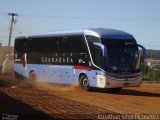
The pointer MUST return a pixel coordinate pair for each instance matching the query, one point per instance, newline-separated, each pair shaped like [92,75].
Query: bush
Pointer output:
[150,74]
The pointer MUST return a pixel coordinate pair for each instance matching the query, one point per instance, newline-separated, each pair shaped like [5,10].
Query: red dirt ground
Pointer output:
[61,101]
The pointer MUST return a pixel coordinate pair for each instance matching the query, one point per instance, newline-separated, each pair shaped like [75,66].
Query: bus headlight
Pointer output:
[101,81]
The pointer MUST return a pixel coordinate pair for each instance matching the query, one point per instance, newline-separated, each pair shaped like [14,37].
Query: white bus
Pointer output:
[97,57]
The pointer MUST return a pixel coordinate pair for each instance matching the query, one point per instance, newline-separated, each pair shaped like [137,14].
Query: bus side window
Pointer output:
[51,44]
[35,45]
[98,56]
[78,44]
[65,45]
[79,50]
[21,45]
[92,39]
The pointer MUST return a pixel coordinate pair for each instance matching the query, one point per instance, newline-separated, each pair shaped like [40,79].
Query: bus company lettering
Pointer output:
[56,60]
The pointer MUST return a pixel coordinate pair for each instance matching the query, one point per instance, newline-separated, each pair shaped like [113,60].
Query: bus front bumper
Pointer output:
[123,83]
[110,82]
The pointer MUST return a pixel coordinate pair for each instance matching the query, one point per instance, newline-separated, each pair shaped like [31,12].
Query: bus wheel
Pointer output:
[84,83]
[114,90]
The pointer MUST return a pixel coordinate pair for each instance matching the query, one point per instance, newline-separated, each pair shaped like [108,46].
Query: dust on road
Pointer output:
[63,101]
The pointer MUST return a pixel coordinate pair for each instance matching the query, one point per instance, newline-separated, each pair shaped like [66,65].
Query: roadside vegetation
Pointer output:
[150,74]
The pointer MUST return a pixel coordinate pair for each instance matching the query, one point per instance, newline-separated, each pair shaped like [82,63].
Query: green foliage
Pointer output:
[150,74]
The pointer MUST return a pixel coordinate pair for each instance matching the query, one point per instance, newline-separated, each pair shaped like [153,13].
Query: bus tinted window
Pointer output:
[92,39]
[66,45]
[52,44]
[20,45]
[78,44]
[35,45]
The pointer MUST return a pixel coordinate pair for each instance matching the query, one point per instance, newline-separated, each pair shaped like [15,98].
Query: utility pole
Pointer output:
[11,28]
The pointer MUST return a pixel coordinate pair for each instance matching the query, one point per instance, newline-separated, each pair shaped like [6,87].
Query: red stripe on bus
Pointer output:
[82,67]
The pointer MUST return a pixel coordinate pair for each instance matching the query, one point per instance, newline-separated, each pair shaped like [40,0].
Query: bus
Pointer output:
[92,58]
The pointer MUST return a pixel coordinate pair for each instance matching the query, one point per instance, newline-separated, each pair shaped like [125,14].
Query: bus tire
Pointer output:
[114,90]
[84,82]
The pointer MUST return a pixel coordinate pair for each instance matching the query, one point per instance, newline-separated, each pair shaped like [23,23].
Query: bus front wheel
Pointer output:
[84,83]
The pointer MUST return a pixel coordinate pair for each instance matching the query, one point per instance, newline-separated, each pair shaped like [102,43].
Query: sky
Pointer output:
[141,18]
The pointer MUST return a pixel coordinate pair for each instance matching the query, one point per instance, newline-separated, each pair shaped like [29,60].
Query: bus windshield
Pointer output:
[122,56]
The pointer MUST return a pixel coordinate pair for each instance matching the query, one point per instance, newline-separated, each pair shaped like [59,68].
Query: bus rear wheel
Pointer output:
[84,83]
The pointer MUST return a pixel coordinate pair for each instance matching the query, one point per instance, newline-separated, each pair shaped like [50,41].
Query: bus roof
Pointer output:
[98,32]
[112,33]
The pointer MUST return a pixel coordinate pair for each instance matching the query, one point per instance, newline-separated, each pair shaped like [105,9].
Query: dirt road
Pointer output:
[142,100]
[60,101]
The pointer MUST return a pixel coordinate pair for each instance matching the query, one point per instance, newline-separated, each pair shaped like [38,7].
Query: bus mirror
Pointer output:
[143,52]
